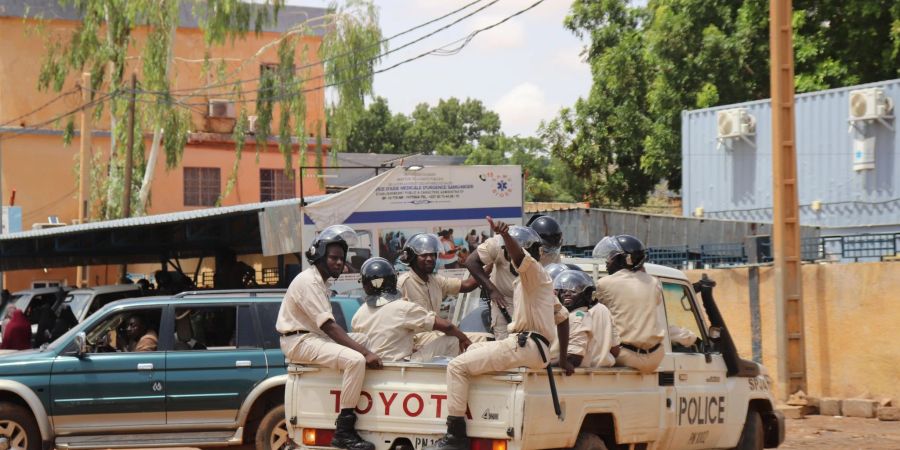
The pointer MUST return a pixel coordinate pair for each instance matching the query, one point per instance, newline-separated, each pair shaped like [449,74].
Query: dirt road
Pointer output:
[844,433]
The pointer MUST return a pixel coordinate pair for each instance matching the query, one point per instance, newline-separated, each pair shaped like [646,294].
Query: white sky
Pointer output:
[525,69]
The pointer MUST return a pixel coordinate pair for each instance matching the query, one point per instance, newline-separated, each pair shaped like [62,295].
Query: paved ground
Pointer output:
[832,433]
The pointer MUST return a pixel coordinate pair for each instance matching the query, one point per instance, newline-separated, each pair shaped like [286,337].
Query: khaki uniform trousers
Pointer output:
[428,337]
[315,349]
[498,322]
[485,357]
[442,346]
[644,362]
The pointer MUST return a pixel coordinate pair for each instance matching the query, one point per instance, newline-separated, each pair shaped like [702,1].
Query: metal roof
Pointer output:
[156,219]
[156,238]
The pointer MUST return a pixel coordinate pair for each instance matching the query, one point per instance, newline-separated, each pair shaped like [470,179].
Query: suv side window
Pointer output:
[268,314]
[214,328]
[684,330]
[113,334]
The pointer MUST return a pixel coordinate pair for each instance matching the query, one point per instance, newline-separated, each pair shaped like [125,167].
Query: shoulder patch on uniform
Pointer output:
[579,313]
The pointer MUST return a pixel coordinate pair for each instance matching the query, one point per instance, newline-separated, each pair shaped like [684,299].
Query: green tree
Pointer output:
[104,37]
[687,54]
[451,127]
[379,131]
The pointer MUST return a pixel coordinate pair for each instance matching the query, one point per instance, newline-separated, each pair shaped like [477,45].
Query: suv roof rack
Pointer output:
[219,292]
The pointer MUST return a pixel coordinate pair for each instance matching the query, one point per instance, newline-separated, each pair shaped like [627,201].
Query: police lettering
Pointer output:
[701,410]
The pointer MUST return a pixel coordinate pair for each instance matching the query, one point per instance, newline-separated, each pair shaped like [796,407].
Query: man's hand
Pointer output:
[499,227]
[373,361]
[464,344]
[566,366]
[498,299]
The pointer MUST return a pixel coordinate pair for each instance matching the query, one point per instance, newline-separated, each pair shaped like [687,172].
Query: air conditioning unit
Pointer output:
[221,109]
[735,123]
[870,104]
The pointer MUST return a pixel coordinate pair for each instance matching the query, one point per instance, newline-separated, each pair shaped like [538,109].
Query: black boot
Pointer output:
[345,435]
[456,438]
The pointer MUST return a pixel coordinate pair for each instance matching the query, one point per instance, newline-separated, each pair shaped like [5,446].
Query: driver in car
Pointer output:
[140,338]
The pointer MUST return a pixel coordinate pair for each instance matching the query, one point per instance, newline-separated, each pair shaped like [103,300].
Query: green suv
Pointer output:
[215,377]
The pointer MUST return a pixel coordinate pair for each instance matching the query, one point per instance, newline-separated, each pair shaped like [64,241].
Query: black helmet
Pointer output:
[555,269]
[335,234]
[379,279]
[621,251]
[420,244]
[528,239]
[549,231]
[579,283]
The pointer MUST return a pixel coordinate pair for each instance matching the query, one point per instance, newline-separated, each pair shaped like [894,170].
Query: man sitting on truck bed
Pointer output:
[593,341]
[421,285]
[537,317]
[309,334]
[391,325]
[633,297]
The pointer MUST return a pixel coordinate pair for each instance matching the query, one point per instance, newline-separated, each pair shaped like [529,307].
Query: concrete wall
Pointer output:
[851,319]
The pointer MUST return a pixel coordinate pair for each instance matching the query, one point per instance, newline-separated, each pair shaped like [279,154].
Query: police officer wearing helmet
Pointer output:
[420,284]
[551,238]
[390,324]
[633,297]
[310,335]
[592,335]
[537,320]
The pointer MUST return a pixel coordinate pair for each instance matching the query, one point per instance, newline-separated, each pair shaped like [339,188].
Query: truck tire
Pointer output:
[589,441]
[18,427]
[272,432]
[752,436]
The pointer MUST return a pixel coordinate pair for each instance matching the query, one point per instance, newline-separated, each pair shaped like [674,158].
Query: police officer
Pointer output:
[592,335]
[310,335]
[633,297]
[498,285]
[537,319]
[551,238]
[390,325]
[420,284]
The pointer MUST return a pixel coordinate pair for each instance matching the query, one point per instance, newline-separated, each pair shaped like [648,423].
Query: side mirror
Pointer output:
[80,344]
[715,333]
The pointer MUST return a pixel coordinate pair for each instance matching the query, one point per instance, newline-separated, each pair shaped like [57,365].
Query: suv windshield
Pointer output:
[77,302]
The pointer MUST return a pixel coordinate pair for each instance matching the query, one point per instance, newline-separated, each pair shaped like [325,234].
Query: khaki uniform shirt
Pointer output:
[305,305]
[427,294]
[633,299]
[390,328]
[491,252]
[590,336]
[535,307]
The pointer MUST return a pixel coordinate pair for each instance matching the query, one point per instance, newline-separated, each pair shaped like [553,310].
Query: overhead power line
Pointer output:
[5,136]
[40,108]
[332,58]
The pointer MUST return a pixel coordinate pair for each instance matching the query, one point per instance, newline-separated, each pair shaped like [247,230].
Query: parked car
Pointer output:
[216,377]
[86,301]
[32,302]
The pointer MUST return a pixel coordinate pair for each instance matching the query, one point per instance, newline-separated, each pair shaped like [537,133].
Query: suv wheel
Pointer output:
[272,432]
[589,441]
[18,429]
[752,436]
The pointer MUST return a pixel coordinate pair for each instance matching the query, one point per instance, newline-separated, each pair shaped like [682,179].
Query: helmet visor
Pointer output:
[336,233]
[554,270]
[525,236]
[424,243]
[573,280]
[606,247]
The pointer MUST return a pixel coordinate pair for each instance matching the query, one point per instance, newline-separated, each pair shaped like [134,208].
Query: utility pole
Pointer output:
[84,161]
[785,210]
[129,157]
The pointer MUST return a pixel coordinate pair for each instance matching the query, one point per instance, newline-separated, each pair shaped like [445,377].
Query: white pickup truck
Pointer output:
[703,396]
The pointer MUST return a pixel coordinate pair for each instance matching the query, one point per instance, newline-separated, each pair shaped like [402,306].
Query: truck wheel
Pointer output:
[272,432]
[752,437]
[18,429]
[589,441]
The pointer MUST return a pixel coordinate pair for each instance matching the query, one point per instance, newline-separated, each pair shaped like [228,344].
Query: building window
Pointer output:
[274,184]
[202,186]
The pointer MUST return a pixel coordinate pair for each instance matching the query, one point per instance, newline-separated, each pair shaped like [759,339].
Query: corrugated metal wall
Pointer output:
[585,227]
[733,180]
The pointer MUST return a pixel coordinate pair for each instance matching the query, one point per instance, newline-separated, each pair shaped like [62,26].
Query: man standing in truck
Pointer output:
[420,284]
[309,334]
[537,318]
[633,297]
[390,323]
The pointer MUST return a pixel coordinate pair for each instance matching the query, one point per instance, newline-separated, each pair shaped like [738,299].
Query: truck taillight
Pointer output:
[488,444]
[317,437]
